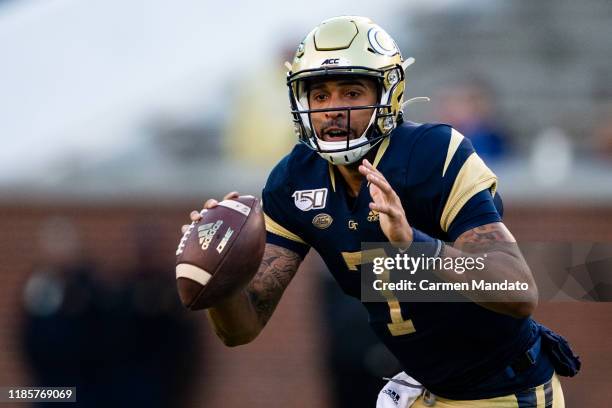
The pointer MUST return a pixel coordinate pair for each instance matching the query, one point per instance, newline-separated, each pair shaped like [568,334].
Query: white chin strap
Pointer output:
[344,157]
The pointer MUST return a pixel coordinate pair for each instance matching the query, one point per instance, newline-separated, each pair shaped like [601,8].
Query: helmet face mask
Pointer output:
[327,53]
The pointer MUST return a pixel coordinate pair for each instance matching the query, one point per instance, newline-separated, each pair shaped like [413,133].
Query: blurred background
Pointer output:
[118,118]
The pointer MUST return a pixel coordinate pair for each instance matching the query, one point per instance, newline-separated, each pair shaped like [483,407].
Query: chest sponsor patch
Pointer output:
[322,220]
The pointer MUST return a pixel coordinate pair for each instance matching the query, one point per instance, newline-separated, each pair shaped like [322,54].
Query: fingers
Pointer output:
[210,203]
[365,163]
[384,208]
[366,168]
[381,208]
[363,170]
[195,215]
[376,177]
[380,183]
[231,196]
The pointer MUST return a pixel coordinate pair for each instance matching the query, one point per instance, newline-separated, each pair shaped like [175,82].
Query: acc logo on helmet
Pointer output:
[335,61]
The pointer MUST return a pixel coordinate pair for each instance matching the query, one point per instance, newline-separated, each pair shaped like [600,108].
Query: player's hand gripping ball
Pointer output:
[220,251]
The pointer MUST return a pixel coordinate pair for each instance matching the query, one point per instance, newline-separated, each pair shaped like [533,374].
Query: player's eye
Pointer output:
[353,94]
[319,97]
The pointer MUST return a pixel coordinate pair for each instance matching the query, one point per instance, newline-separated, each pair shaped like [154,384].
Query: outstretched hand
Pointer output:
[387,203]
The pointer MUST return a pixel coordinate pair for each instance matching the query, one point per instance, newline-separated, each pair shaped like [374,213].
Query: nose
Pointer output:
[334,101]
[334,114]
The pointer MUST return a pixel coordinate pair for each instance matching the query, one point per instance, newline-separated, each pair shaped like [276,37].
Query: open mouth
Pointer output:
[335,134]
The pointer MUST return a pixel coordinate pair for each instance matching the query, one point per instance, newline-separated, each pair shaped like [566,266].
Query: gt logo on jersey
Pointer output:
[307,200]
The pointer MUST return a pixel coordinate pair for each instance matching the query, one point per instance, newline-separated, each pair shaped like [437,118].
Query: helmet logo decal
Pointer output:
[331,61]
[300,51]
[381,42]
[335,61]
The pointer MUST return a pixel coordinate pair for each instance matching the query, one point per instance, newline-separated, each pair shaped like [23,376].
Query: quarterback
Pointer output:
[361,173]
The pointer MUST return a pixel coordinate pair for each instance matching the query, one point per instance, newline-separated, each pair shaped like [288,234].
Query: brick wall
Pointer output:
[284,366]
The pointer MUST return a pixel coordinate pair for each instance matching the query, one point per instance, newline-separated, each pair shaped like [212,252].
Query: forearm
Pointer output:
[500,265]
[235,320]
[240,318]
[494,249]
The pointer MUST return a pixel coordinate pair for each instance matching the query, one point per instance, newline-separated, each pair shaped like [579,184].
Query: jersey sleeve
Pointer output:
[459,186]
[468,188]
[481,209]
[281,228]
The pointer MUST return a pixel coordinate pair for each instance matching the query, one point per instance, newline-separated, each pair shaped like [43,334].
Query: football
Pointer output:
[220,253]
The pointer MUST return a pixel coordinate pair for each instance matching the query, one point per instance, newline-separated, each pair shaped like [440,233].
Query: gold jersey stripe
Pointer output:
[473,177]
[540,395]
[332,176]
[353,259]
[453,145]
[381,150]
[557,393]
[505,401]
[275,228]
[395,310]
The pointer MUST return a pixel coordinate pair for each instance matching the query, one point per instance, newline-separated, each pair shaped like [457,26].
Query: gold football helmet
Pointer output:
[347,45]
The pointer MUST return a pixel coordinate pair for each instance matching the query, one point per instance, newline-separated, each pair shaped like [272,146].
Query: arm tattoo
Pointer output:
[488,233]
[487,238]
[277,268]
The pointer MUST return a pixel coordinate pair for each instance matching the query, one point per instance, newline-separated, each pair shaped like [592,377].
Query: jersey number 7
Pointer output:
[398,326]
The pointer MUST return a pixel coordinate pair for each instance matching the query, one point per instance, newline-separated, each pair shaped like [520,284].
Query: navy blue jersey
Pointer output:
[445,189]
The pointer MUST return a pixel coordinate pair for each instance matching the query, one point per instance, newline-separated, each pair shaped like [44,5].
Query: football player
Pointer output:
[363,174]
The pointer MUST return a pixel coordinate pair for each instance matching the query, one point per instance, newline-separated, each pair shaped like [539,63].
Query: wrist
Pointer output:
[403,238]
[423,245]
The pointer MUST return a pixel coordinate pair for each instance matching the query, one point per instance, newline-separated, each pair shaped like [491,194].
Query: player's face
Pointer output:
[342,92]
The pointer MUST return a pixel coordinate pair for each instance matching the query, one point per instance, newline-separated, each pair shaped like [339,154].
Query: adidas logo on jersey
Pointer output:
[393,395]
[373,216]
